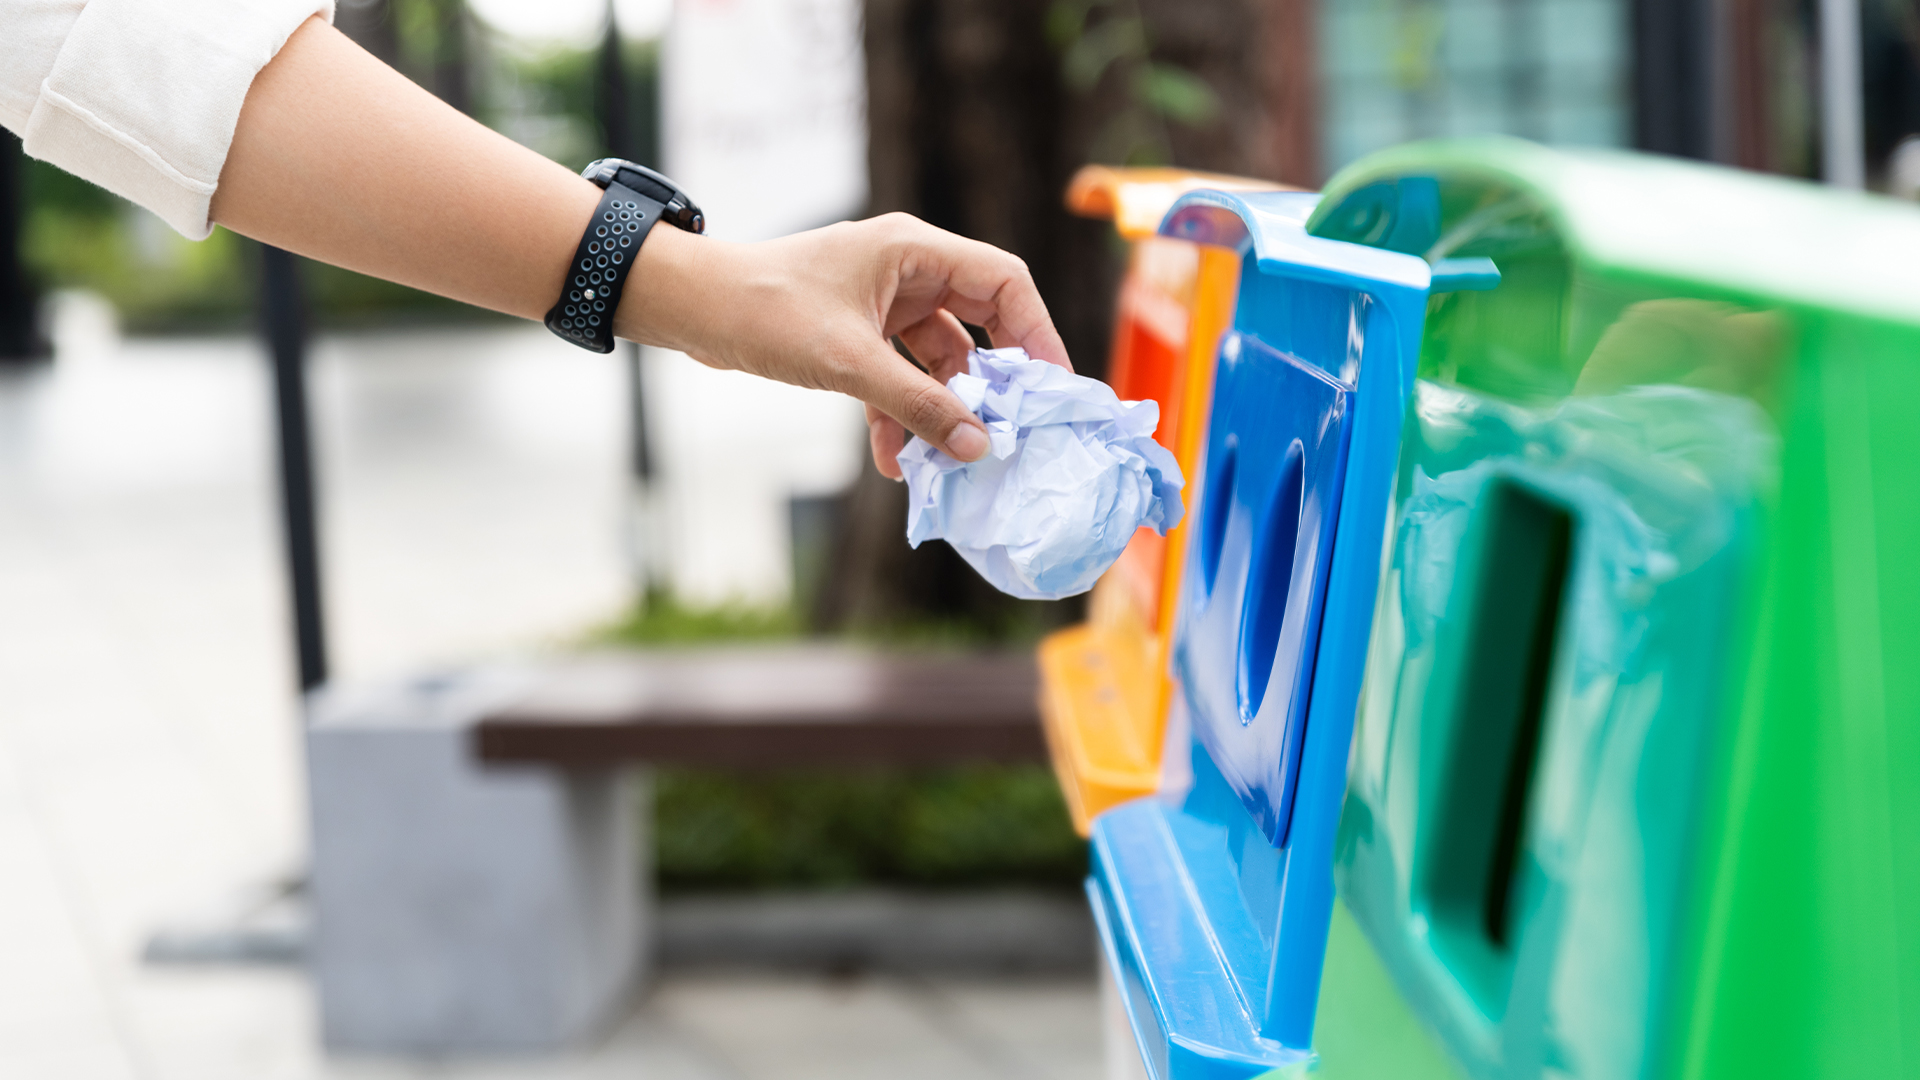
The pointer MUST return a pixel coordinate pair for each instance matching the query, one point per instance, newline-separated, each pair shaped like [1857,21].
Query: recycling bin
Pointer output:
[1635,777]
[1213,900]
[1104,683]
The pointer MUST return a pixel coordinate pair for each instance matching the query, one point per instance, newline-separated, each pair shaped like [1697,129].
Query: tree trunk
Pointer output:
[972,128]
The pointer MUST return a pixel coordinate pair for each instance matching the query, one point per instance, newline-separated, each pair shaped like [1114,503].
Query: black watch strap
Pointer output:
[608,250]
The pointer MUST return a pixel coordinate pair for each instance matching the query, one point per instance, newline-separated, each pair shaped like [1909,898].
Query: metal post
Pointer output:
[19,323]
[284,309]
[1842,127]
[451,73]
[267,923]
[616,121]
[615,101]
[1672,68]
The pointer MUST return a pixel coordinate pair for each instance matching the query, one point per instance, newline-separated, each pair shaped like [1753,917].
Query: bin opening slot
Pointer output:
[1506,669]
[1216,504]
[1270,585]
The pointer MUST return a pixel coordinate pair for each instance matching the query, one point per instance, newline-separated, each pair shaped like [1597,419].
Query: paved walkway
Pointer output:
[473,505]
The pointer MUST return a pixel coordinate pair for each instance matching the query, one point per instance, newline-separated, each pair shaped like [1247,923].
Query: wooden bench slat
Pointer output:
[773,706]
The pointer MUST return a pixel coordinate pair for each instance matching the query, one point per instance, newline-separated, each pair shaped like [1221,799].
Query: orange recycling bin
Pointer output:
[1104,683]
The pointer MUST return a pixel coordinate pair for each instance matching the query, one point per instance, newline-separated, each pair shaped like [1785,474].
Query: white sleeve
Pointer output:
[139,96]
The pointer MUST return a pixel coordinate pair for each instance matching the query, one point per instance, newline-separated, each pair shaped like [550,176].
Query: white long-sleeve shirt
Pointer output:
[139,96]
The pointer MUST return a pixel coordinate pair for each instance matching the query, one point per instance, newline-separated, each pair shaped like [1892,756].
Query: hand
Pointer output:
[817,309]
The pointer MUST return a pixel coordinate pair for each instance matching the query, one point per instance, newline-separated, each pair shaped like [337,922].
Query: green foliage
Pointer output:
[79,236]
[49,186]
[1097,39]
[975,826]
[1176,93]
[663,620]
[548,102]
[1096,48]
[428,31]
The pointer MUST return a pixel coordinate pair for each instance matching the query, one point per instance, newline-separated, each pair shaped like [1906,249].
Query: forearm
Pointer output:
[340,158]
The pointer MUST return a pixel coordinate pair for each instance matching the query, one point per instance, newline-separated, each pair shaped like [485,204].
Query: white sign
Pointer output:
[764,118]
[765,112]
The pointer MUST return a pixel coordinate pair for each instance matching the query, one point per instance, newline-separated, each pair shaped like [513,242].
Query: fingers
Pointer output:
[887,438]
[994,289]
[940,343]
[885,381]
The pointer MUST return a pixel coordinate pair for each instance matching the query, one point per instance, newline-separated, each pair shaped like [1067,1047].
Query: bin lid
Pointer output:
[1135,199]
[1776,239]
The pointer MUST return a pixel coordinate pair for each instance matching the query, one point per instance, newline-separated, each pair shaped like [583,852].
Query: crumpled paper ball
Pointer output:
[1070,473]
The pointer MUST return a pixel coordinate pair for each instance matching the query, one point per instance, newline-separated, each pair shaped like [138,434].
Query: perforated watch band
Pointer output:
[608,250]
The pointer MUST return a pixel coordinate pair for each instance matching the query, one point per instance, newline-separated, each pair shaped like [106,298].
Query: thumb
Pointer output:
[886,381]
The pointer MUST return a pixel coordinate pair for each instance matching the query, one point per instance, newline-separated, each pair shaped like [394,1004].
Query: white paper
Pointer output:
[1071,472]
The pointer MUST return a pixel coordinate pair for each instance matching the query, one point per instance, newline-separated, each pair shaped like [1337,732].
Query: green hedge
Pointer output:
[982,825]
[972,827]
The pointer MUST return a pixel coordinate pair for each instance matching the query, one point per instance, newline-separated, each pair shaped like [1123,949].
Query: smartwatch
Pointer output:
[635,199]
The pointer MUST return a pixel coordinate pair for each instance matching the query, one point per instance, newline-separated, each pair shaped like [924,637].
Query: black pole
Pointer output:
[617,126]
[20,337]
[616,104]
[614,97]
[284,309]
[1673,67]
[451,72]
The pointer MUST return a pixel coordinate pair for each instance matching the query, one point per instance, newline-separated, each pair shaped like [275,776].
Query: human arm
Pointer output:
[340,158]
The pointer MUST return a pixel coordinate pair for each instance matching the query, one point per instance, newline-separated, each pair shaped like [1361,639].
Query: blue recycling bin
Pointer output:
[1213,900]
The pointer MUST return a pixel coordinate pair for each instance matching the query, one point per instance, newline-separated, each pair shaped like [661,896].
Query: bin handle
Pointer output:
[1464,275]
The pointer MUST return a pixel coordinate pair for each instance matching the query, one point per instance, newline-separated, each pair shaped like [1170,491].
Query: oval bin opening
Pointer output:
[1218,496]
[1269,584]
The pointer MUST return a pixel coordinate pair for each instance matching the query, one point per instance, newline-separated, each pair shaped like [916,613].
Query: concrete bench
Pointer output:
[480,881]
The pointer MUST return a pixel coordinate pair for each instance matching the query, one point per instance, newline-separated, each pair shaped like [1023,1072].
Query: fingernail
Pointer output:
[966,442]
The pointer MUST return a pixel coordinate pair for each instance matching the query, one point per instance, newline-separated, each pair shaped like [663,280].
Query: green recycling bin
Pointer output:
[1634,789]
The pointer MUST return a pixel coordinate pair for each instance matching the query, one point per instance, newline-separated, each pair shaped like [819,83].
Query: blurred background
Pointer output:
[485,491]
